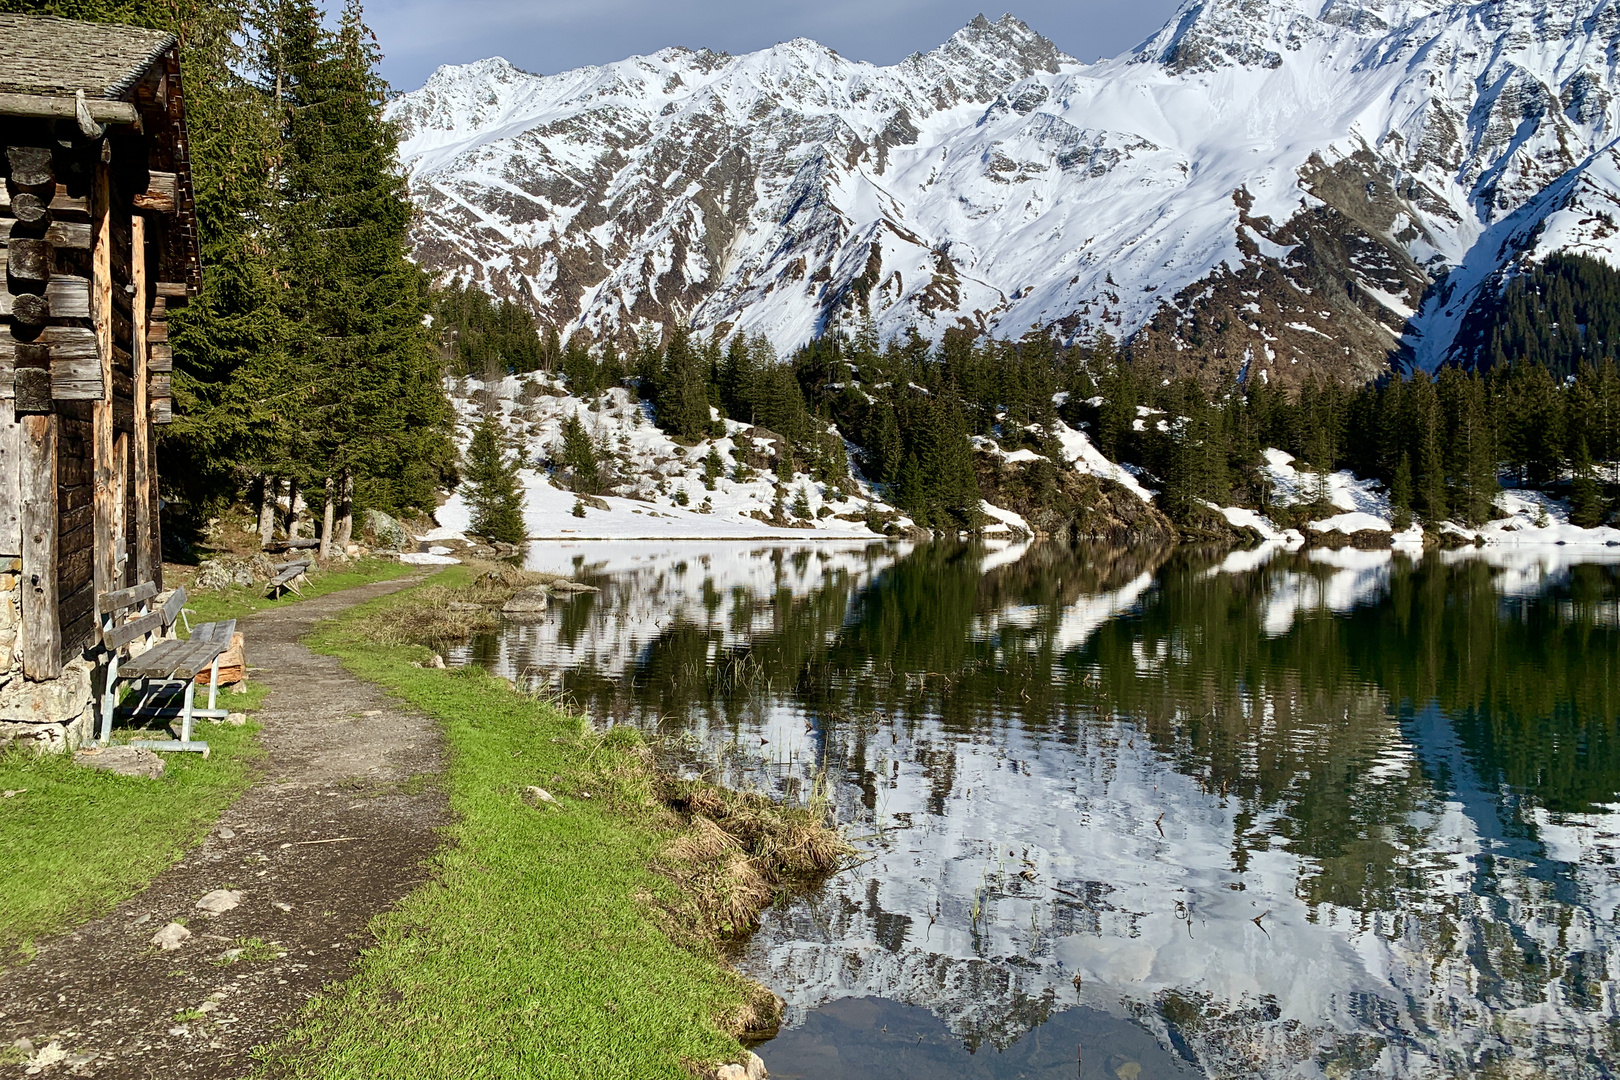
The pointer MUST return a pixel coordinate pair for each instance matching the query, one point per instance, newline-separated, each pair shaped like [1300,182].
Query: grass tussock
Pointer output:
[739,851]
[574,933]
[444,614]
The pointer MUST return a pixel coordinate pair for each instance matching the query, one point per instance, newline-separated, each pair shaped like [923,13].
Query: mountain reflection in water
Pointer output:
[1289,813]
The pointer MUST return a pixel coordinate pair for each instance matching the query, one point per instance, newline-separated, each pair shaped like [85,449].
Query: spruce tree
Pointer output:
[1585,497]
[1400,494]
[495,496]
[374,409]
[580,458]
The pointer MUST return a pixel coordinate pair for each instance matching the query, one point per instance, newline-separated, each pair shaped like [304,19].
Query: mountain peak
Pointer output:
[978,61]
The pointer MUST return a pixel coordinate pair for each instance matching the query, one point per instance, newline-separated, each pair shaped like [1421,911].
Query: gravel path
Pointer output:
[345,765]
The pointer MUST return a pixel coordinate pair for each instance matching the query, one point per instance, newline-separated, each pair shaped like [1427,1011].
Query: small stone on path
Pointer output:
[219,901]
[171,937]
[227,833]
[532,795]
[122,760]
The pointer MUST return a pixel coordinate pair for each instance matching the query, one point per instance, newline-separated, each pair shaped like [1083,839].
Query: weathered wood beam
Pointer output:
[160,194]
[66,107]
[29,264]
[74,235]
[69,298]
[142,452]
[11,459]
[41,632]
[121,565]
[172,290]
[103,565]
[30,169]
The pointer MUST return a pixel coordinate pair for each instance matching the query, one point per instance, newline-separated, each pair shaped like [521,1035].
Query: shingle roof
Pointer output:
[46,55]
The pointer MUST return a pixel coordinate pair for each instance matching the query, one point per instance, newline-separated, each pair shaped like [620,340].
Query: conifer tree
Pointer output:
[680,388]
[495,496]
[1400,494]
[713,467]
[374,409]
[580,458]
[1585,497]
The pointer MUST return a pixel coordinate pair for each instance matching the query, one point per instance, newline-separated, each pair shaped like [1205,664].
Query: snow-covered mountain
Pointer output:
[1274,186]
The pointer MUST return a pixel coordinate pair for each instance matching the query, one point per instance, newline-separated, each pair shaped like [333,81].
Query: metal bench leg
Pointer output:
[109,701]
[213,684]
[185,712]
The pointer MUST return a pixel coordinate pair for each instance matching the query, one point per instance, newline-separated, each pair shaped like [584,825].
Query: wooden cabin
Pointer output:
[100,242]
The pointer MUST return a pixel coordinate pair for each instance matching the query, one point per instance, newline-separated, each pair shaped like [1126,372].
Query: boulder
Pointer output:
[389,533]
[530,601]
[214,574]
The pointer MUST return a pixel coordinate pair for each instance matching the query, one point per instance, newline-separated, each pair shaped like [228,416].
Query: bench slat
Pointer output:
[172,606]
[172,659]
[218,632]
[113,602]
[157,662]
[119,636]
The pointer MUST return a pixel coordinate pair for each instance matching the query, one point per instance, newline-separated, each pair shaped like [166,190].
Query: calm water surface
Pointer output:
[1137,815]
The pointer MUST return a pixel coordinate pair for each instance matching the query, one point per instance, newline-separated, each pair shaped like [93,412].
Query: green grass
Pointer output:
[76,841]
[211,605]
[537,948]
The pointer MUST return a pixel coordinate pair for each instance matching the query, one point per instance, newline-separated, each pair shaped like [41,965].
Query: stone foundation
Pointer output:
[54,716]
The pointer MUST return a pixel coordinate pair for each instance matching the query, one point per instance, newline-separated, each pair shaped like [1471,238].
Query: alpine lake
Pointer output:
[1137,814]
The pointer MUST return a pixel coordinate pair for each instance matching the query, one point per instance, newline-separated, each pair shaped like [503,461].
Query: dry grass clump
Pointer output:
[739,851]
[436,616]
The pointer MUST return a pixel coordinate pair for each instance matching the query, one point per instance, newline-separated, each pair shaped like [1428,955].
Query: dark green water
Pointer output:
[1149,814]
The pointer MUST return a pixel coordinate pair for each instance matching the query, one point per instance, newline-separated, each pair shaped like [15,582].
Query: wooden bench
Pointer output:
[170,664]
[286,575]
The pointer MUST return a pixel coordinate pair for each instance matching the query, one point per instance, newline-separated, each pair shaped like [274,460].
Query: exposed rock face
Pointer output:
[1276,187]
[1063,504]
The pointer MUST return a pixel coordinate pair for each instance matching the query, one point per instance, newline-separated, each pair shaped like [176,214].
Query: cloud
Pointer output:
[556,35]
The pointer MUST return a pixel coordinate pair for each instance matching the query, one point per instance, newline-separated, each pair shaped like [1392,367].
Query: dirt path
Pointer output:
[344,761]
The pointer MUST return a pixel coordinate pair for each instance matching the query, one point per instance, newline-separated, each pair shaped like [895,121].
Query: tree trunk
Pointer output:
[267,509]
[345,528]
[292,508]
[327,513]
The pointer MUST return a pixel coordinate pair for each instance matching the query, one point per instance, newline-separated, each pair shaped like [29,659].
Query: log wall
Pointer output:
[85,366]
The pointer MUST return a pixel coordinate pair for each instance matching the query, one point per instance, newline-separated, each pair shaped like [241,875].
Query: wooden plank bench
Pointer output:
[286,575]
[167,664]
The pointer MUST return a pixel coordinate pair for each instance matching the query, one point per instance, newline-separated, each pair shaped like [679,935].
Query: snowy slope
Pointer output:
[648,474]
[1264,186]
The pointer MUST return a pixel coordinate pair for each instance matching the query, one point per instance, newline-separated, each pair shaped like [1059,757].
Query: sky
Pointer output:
[548,36]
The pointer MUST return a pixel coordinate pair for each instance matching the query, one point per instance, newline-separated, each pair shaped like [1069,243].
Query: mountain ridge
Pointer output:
[1268,188]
